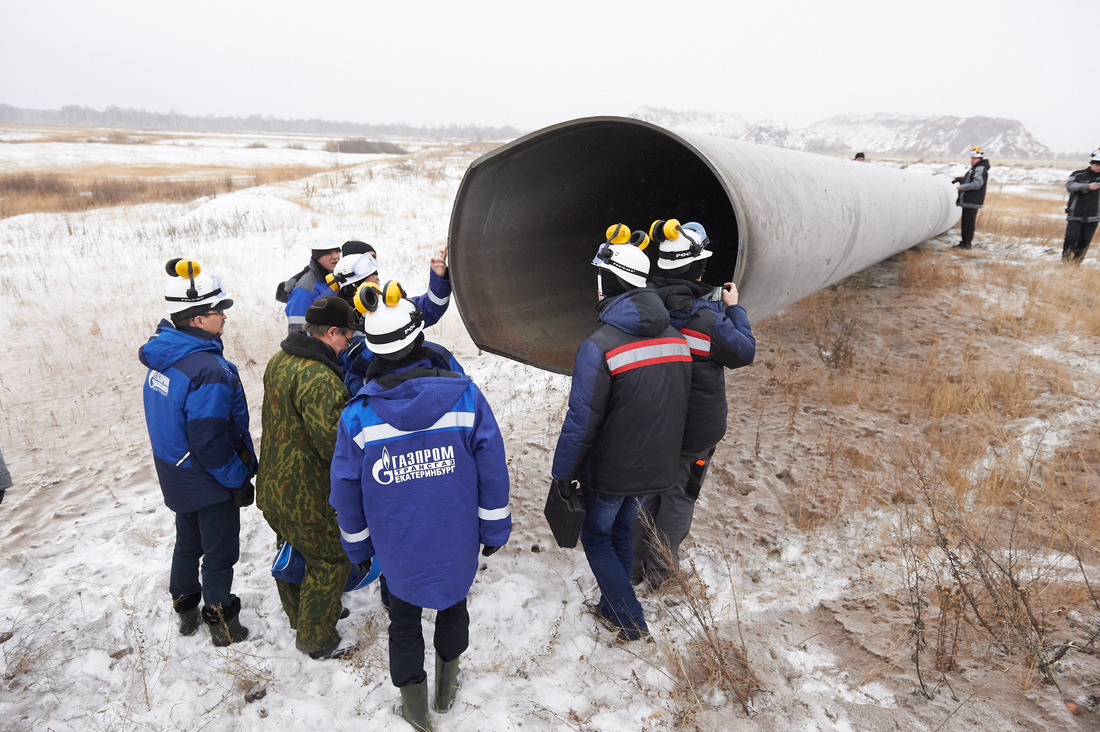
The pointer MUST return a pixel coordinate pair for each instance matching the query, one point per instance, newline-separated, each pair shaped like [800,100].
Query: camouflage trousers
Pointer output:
[314,606]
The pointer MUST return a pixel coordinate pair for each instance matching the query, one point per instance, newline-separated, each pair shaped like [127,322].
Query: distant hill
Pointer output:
[880,134]
[139,118]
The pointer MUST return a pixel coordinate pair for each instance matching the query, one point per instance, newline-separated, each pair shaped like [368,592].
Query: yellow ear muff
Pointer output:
[179,267]
[367,297]
[639,239]
[187,268]
[617,234]
[330,279]
[392,292]
[671,229]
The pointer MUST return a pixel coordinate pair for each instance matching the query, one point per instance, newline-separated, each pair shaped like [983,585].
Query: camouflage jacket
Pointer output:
[304,394]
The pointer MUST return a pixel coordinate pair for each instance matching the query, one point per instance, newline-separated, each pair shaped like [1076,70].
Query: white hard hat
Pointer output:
[1095,157]
[352,269]
[324,240]
[391,321]
[681,245]
[976,152]
[627,261]
[189,289]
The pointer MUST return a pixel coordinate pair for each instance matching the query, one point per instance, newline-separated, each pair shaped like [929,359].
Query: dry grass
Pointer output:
[1040,220]
[998,519]
[58,192]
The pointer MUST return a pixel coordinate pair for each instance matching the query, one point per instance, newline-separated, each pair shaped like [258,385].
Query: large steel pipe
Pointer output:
[783,224]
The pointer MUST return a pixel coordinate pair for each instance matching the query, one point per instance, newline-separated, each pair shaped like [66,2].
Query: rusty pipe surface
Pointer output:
[783,224]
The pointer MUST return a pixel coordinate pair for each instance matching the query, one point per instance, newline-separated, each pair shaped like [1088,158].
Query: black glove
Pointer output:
[364,566]
[956,180]
[245,495]
[2,495]
[566,488]
[488,551]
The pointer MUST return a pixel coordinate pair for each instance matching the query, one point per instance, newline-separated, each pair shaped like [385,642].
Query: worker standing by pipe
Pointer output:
[971,188]
[621,436]
[720,337]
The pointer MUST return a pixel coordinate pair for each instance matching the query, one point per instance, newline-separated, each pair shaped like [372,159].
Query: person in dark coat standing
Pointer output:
[197,417]
[1082,211]
[720,338]
[971,188]
[621,436]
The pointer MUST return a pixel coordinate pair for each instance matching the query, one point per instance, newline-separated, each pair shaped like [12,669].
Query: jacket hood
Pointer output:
[682,298]
[169,344]
[417,393]
[638,312]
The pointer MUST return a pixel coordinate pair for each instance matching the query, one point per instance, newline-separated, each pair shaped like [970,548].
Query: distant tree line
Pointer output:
[117,117]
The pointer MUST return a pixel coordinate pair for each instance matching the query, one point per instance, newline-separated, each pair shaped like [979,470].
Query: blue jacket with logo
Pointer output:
[419,478]
[197,417]
[357,358]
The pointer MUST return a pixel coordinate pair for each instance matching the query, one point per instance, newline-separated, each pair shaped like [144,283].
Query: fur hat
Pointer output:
[332,312]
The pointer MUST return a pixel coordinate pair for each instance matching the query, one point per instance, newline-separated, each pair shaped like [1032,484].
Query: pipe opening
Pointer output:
[529,216]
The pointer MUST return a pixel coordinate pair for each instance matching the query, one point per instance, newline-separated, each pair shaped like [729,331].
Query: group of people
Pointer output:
[417,420]
[379,450]
[1082,209]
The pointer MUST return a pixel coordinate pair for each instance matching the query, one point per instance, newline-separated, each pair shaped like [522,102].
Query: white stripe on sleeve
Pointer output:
[352,538]
[493,514]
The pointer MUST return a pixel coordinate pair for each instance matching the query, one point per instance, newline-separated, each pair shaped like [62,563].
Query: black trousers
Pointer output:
[969,218]
[452,637]
[1078,237]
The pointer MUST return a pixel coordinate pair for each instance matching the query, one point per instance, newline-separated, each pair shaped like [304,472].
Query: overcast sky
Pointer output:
[531,64]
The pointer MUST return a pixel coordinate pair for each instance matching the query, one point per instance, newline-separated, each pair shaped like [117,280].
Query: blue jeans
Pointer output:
[212,534]
[606,537]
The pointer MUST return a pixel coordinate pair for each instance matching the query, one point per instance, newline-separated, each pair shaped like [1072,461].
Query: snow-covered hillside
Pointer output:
[880,134]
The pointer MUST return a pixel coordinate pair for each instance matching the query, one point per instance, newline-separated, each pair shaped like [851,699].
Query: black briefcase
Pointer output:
[565,516]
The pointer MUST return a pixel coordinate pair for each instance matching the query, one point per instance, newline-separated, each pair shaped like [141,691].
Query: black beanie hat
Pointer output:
[332,311]
[356,247]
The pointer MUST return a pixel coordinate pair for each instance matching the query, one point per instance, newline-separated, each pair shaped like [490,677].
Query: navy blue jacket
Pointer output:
[309,287]
[719,338]
[628,400]
[197,417]
[419,478]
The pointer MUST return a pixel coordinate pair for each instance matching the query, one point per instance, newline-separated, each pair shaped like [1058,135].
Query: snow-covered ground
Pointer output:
[85,540]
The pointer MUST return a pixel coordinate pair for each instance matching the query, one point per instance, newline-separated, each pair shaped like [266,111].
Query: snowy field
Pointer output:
[90,640]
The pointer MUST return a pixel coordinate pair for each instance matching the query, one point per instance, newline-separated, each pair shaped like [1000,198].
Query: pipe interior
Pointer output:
[529,217]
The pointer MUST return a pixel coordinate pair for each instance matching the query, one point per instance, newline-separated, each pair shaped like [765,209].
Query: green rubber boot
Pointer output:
[446,684]
[414,706]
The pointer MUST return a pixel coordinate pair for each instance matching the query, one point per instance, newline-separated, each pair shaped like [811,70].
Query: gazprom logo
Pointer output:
[383,472]
[159,382]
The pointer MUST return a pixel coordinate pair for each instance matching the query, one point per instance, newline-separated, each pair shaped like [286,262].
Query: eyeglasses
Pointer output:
[212,312]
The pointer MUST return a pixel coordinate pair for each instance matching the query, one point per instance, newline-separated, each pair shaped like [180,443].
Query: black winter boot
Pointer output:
[414,706]
[225,625]
[187,607]
[446,684]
